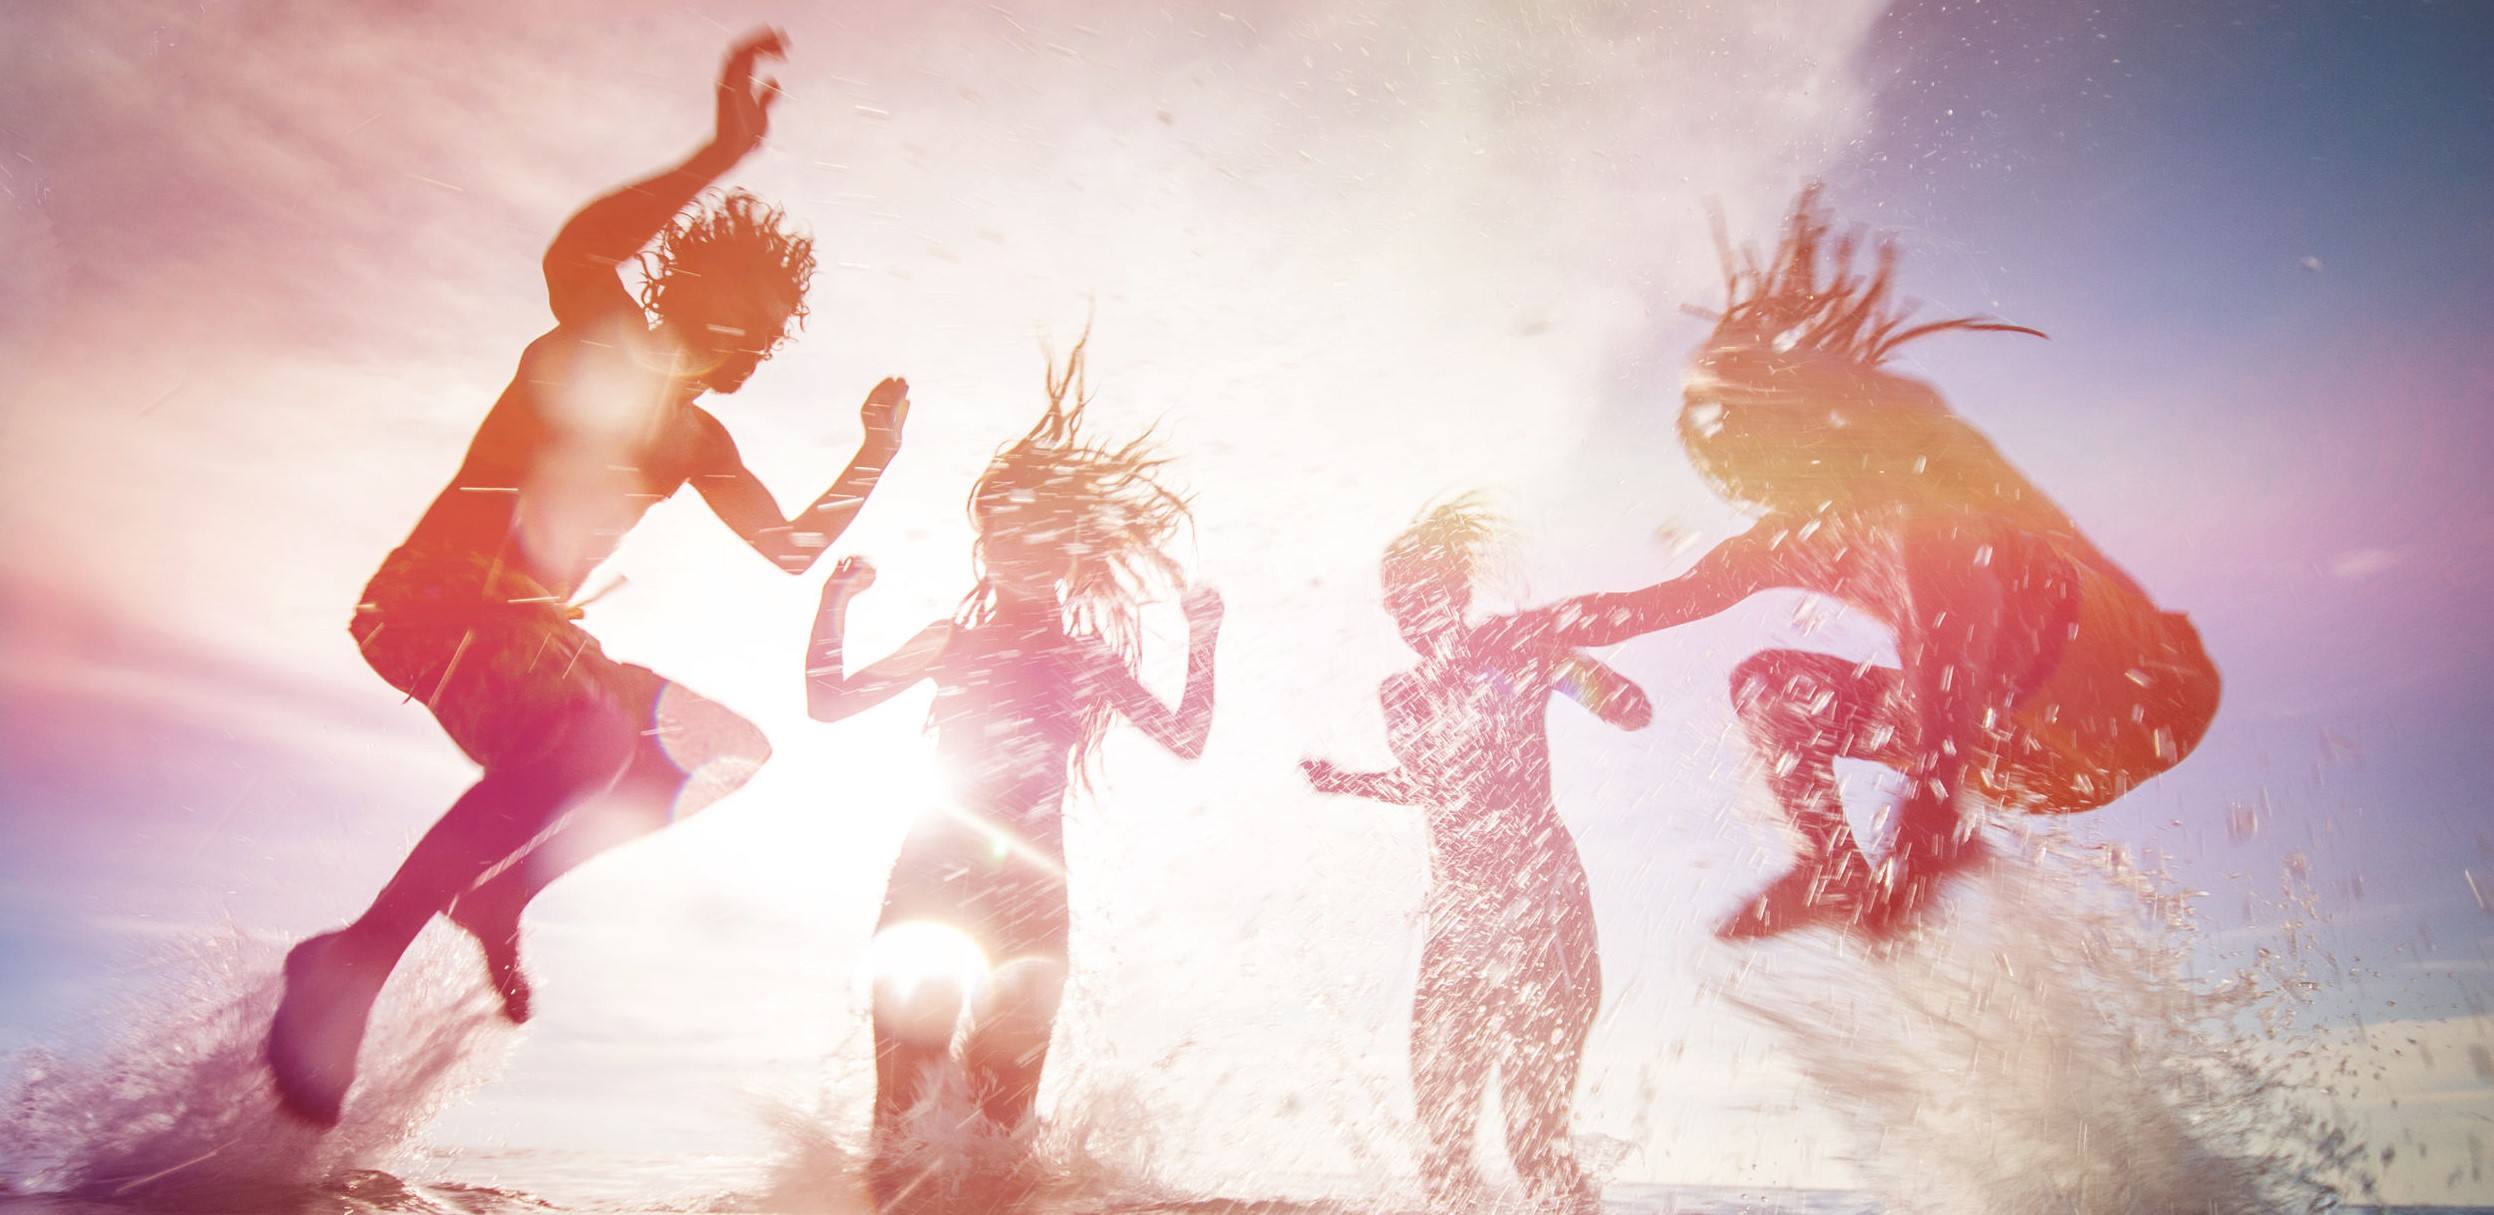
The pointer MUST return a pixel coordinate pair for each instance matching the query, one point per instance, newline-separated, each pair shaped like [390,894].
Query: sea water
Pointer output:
[2047,1043]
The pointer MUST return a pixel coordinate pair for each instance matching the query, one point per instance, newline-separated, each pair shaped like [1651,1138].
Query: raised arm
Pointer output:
[831,692]
[1185,729]
[795,544]
[1613,697]
[581,264]
[1388,786]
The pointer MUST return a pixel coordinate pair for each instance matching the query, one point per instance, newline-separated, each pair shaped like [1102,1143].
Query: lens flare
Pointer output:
[716,749]
[921,954]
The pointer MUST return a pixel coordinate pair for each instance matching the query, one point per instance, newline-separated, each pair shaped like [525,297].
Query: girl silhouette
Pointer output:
[1028,675]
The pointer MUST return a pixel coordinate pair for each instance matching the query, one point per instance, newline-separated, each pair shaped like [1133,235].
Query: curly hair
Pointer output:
[1104,506]
[739,246]
[1456,540]
[1784,306]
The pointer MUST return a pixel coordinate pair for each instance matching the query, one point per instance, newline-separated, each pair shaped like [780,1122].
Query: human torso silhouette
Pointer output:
[1510,977]
[1470,731]
[1860,471]
[1008,714]
[590,433]
[1904,511]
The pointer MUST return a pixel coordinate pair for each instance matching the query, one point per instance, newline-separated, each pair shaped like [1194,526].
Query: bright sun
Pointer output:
[911,955]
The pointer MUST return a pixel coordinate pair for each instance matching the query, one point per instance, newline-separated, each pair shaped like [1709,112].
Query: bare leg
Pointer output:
[913,1026]
[1986,605]
[1804,711]
[1451,1061]
[490,911]
[653,792]
[1541,1054]
[1008,1041]
[332,979]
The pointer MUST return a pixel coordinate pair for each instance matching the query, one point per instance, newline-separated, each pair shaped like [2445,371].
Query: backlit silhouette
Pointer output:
[1509,976]
[1071,533]
[470,615]
[2034,674]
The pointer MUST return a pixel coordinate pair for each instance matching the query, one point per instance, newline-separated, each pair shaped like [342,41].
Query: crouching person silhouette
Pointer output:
[2033,674]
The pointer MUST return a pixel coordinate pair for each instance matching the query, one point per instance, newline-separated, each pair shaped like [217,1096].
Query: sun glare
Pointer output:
[917,954]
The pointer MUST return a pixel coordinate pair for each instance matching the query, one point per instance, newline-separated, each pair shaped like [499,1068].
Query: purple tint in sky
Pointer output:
[2267,228]
[271,265]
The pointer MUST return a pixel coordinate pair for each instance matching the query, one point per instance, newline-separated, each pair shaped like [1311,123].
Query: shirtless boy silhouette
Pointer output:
[470,616]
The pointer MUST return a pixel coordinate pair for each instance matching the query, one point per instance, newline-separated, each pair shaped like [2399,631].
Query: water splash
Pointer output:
[2053,1046]
[175,1108]
[1083,1156]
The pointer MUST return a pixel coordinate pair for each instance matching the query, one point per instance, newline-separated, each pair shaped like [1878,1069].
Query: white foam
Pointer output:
[2047,1044]
[176,1106]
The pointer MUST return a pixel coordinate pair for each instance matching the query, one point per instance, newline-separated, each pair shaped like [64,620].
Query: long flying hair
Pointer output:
[1104,507]
[1811,300]
[737,249]
[1808,416]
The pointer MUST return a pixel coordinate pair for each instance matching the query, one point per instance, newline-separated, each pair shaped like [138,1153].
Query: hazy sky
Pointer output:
[269,264]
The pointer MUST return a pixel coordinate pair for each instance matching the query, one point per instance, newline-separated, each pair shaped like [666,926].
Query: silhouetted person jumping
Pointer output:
[2033,673]
[1028,675]
[471,616]
[1509,975]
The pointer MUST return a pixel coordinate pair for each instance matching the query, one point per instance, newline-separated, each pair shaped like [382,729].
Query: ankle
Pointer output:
[359,949]
[355,941]
[489,915]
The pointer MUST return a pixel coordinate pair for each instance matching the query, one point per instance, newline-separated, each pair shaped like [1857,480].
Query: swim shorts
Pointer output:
[498,659]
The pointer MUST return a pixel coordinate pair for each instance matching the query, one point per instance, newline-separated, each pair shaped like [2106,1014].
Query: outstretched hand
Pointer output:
[744,106]
[885,412]
[1632,708]
[1322,775]
[849,576]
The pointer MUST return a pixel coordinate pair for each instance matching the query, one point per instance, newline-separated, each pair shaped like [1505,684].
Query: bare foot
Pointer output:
[498,933]
[319,1027]
[1815,891]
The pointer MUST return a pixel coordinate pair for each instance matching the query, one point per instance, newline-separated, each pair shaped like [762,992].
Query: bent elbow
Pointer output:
[785,555]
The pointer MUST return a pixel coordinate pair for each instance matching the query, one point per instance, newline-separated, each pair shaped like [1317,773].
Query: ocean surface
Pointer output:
[2045,1056]
[486,1183]
[495,1182]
